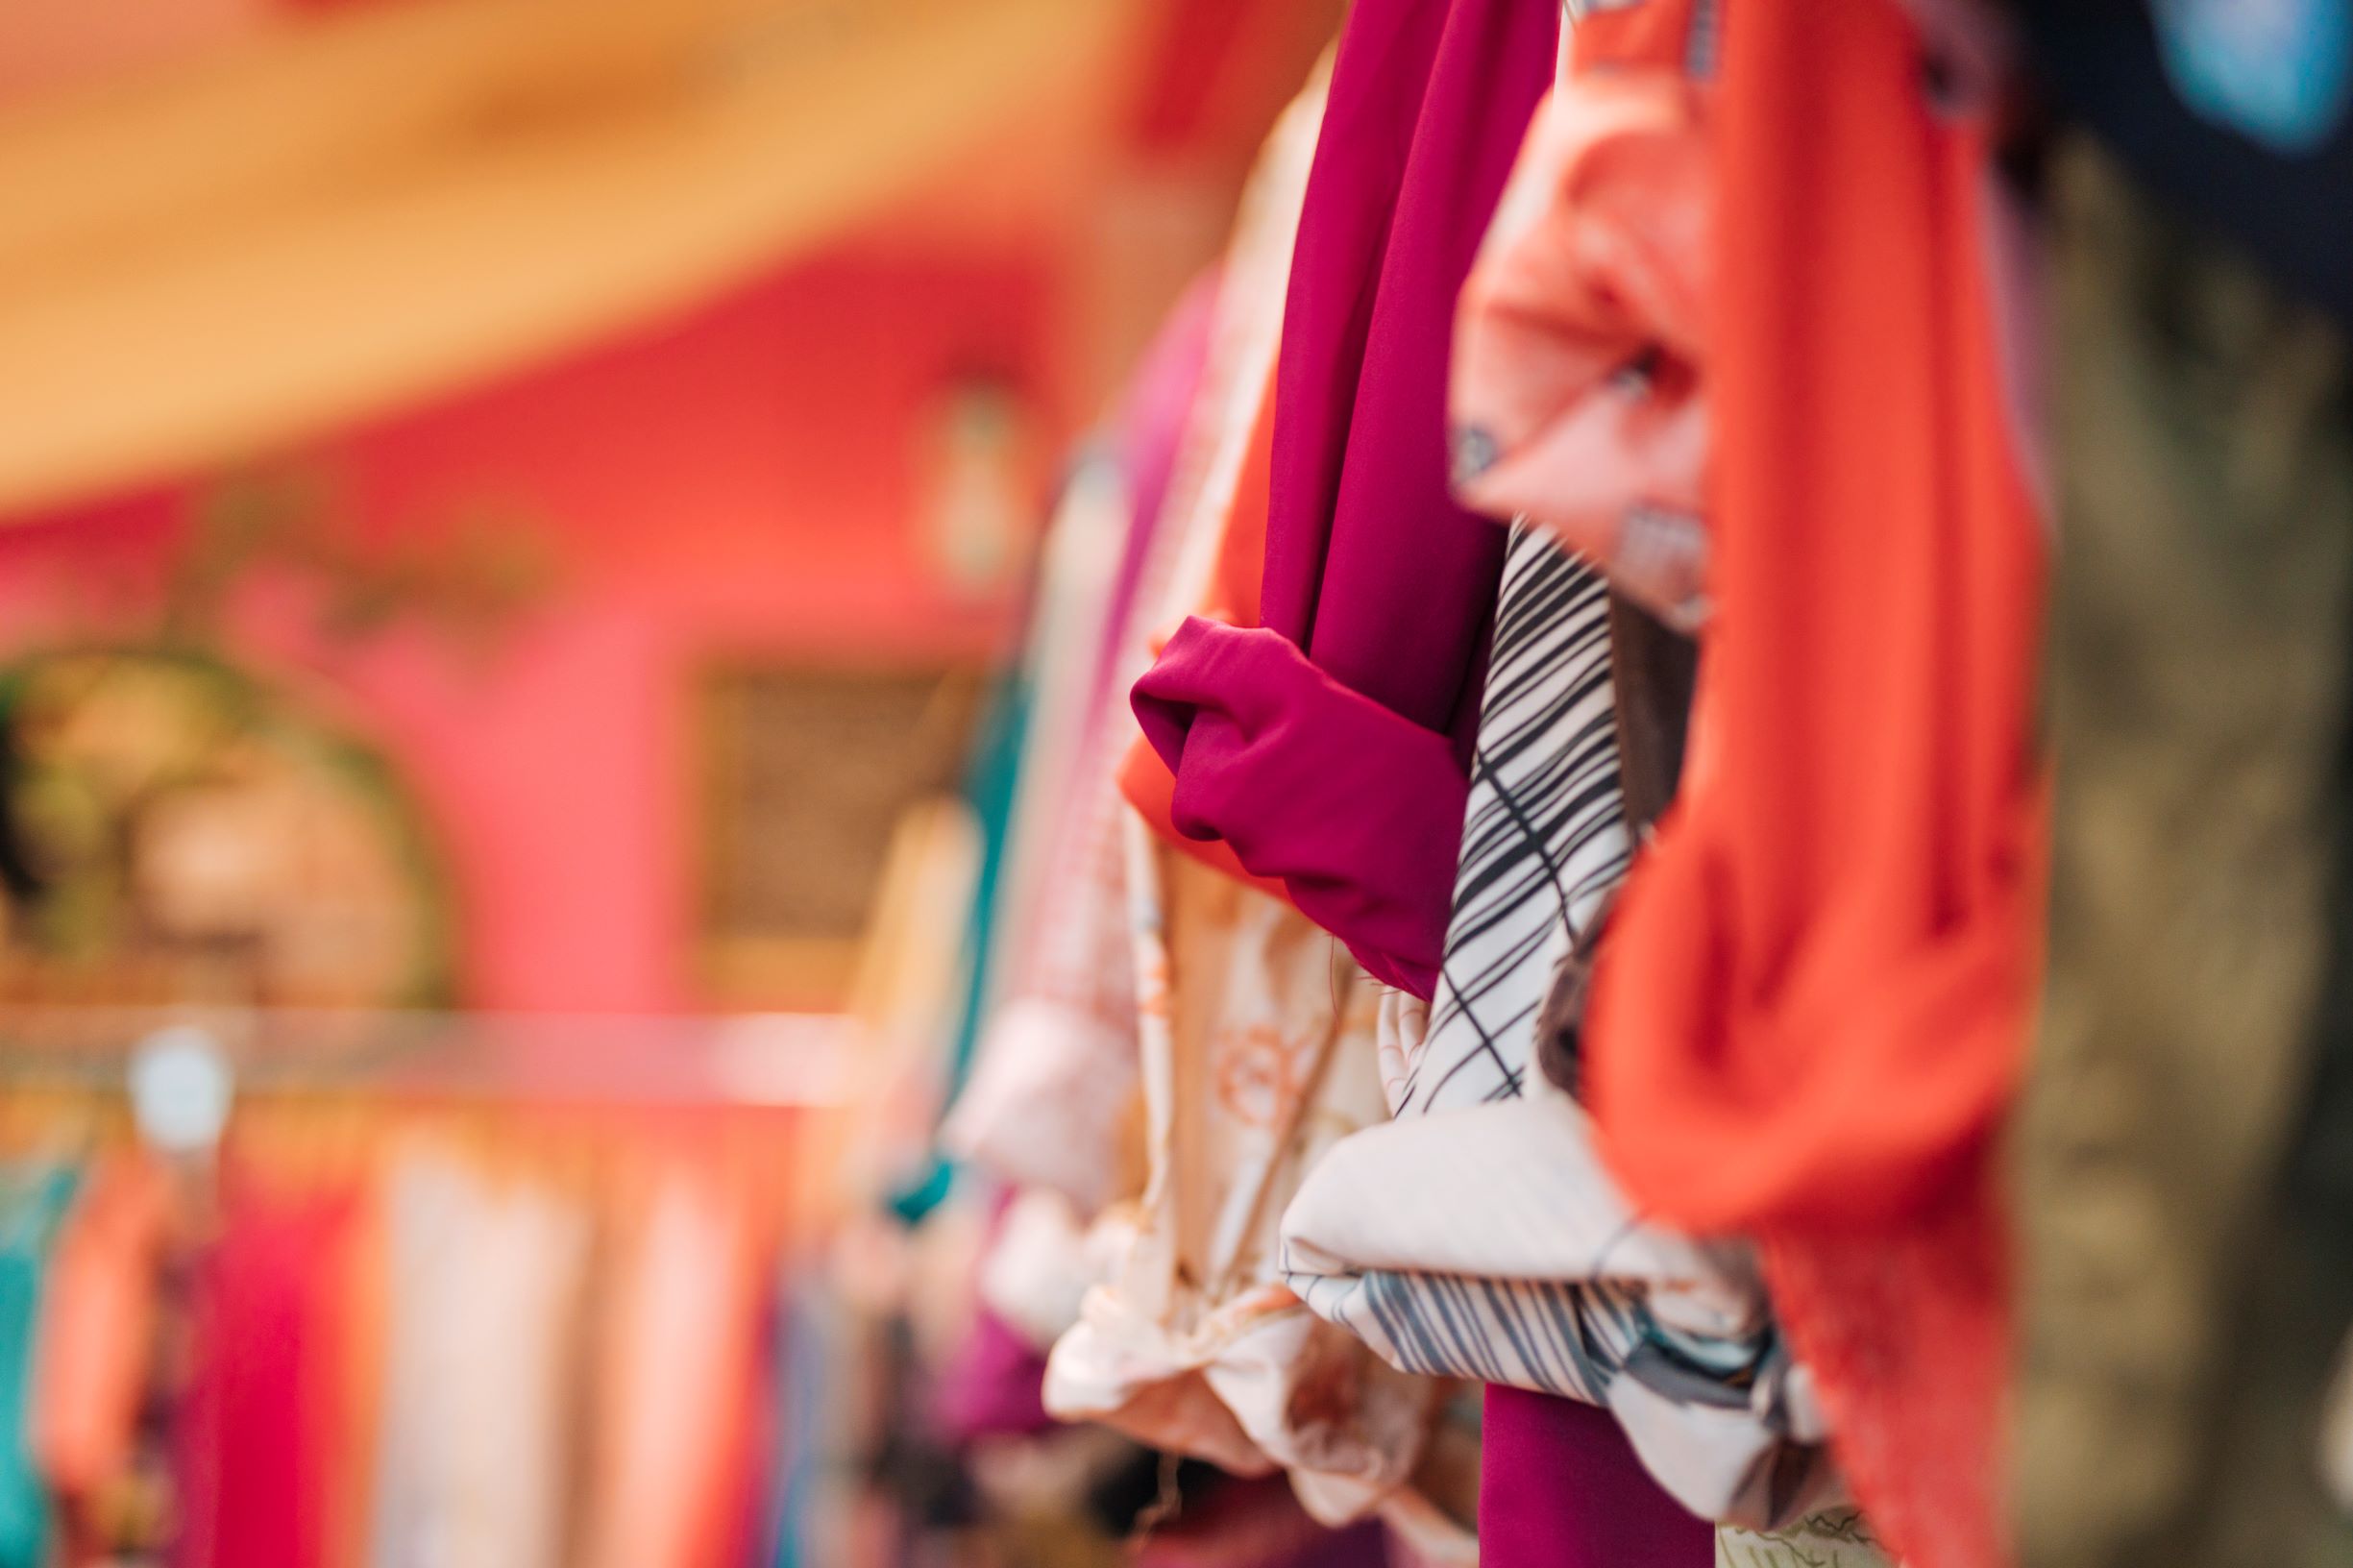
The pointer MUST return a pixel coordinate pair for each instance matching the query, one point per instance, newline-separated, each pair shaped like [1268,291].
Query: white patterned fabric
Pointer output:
[1478,1235]
[1257,1056]
[1833,1539]
[1543,839]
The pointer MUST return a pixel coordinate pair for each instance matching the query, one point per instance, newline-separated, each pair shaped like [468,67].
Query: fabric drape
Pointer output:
[2186,1276]
[1476,1234]
[1377,588]
[1811,1017]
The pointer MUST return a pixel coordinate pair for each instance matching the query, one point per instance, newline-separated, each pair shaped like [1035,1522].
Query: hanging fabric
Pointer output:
[2188,1275]
[33,1199]
[1377,589]
[1478,1235]
[1049,1103]
[1809,1020]
[677,1349]
[485,1286]
[261,1477]
[1577,388]
[1257,1056]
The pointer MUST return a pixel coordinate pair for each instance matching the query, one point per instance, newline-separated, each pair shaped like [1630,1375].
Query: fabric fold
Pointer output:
[1549,1211]
[1255,1036]
[1578,397]
[1315,784]
[1811,1015]
[1479,1233]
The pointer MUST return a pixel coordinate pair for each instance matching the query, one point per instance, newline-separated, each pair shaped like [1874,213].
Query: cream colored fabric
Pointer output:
[1833,1539]
[1257,1056]
[475,1452]
[1038,1268]
[1053,1087]
[338,216]
[1479,1234]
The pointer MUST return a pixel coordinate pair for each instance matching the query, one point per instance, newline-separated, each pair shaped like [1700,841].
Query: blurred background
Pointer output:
[519,532]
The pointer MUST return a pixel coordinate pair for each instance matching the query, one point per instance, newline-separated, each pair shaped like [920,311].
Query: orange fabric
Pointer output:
[1151,789]
[1231,596]
[1651,33]
[679,1368]
[1812,1016]
[363,1314]
[1576,391]
[98,1325]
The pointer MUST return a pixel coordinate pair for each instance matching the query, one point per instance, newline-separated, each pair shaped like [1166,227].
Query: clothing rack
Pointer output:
[770,1059]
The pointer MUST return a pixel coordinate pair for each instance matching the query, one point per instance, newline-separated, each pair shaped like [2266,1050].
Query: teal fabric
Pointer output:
[991,783]
[798,1391]
[33,1204]
[2280,72]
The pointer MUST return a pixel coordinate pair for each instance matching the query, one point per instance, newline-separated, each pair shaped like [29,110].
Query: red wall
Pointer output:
[740,481]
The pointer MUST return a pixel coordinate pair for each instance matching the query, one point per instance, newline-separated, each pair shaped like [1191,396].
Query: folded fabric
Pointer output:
[1479,1234]
[1310,783]
[1219,584]
[1549,1284]
[1243,1388]
[1390,1198]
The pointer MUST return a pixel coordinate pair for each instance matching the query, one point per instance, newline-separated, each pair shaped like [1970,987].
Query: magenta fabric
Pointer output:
[1560,1487]
[1374,580]
[995,1387]
[260,1422]
[1257,1523]
[1312,783]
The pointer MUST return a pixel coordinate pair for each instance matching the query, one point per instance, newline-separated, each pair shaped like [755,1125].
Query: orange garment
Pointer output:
[1670,33]
[1231,596]
[98,1325]
[678,1359]
[1811,1019]
[1576,394]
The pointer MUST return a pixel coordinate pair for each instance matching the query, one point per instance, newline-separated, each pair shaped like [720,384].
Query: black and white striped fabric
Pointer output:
[1478,1235]
[1543,843]
[1543,839]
